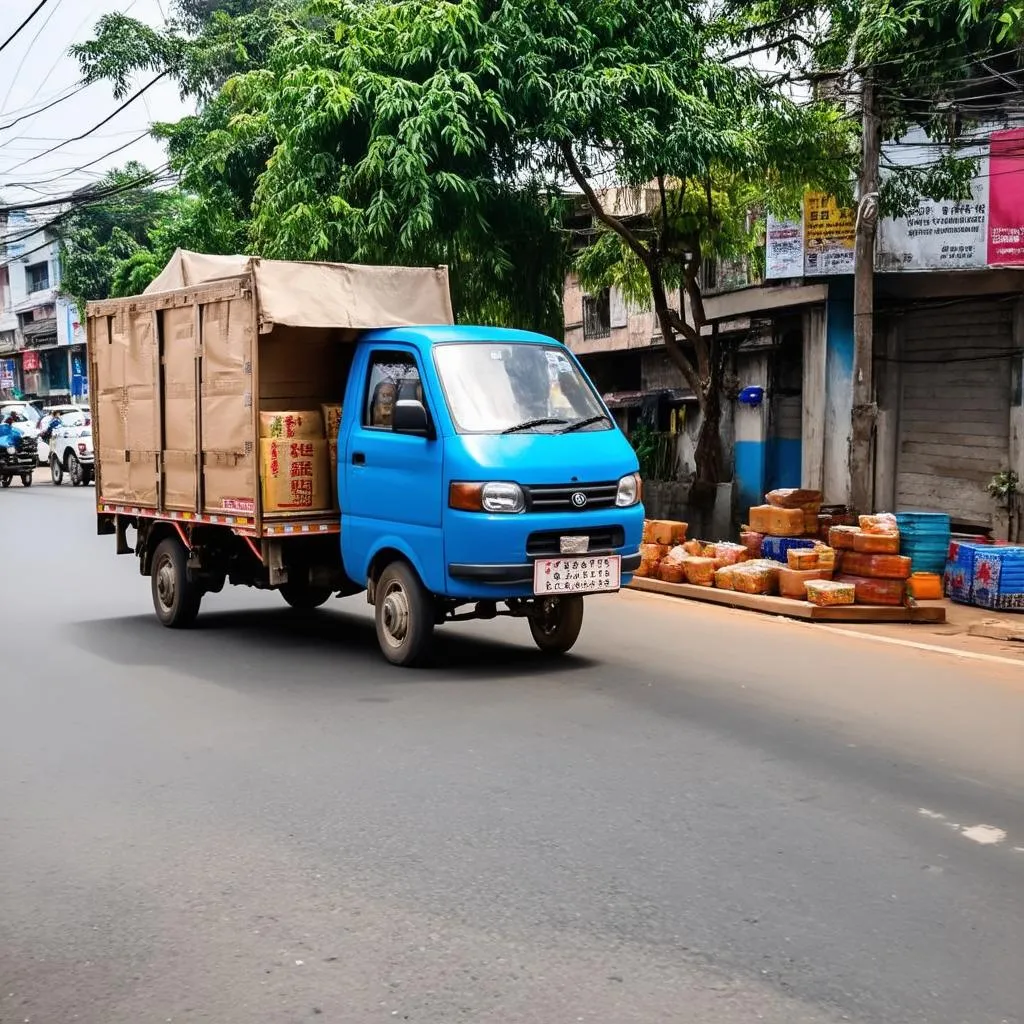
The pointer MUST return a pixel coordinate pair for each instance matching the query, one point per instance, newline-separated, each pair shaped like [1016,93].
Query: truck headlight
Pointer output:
[629,491]
[496,496]
[12,451]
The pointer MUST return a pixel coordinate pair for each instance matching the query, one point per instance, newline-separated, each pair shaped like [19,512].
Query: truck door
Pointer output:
[391,484]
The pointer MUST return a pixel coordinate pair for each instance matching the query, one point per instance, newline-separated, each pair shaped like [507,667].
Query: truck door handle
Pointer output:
[358,459]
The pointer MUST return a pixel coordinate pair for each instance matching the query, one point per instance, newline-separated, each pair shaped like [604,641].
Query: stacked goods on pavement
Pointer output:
[925,538]
[985,575]
[660,537]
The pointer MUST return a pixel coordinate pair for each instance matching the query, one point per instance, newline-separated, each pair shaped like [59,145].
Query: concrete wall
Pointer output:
[750,423]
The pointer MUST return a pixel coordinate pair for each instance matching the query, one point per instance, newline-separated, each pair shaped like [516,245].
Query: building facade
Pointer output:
[42,342]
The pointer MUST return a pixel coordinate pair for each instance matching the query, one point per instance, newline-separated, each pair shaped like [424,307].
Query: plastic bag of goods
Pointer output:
[802,558]
[791,581]
[883,522]
[795,497]
[777,522]
[826,556]
[778,548]
[672,572]
[726,553]
[723,577]
[676,555]
[877,567]
[759,576]
[876,543]
[664,531]
[700,571]
[694,548]
[875,591]
[841,537]
[829,593]
[752,541]
[811,524]
[650,557]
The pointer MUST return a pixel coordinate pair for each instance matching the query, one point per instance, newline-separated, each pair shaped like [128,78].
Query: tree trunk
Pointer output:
[708,451]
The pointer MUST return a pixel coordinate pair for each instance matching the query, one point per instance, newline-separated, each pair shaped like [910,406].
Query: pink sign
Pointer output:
[1006,199]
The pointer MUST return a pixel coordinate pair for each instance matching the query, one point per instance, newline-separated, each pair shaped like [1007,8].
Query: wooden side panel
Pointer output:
[229,477]
[178,341]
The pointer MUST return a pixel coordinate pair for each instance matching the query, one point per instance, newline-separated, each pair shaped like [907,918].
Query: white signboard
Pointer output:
[785,249]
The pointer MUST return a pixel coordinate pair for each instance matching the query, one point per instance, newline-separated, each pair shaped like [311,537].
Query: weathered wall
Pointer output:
[838,394]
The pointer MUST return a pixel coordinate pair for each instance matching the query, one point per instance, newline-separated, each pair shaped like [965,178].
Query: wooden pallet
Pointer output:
[931,613]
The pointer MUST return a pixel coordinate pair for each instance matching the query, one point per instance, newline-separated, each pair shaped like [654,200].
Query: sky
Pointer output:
[36,69]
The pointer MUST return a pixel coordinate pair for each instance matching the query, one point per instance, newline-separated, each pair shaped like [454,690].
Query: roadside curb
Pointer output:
[821,627]
[997,631]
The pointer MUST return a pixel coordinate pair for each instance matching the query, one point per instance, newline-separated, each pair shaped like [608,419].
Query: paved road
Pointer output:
[705,816]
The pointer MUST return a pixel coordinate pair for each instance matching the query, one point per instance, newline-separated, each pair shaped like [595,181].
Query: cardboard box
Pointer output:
[297,425]
[332,462]
[294,475]
[332,420]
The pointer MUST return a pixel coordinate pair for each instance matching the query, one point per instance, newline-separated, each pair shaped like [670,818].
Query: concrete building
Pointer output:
[42,342]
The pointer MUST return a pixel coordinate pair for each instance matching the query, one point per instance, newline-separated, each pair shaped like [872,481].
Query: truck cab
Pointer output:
[484,461]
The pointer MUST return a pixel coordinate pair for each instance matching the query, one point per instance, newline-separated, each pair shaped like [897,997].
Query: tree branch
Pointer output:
[616,225]
[775,44]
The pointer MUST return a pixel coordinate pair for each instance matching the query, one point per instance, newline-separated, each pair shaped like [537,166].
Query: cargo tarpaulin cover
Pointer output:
[328,295]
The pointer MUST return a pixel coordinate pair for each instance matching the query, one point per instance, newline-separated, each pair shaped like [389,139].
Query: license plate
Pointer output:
[593,574]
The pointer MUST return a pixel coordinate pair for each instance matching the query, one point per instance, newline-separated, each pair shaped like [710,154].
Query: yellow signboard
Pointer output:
[829,235]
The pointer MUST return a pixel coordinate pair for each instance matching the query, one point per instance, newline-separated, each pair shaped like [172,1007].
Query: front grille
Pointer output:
[559,497]
[27,446]
[547,542]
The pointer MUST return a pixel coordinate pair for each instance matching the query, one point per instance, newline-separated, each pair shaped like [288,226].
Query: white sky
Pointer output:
[36,68]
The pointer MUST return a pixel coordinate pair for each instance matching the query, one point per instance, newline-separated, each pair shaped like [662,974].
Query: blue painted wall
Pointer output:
[838,391]
[783,460]
[749,476]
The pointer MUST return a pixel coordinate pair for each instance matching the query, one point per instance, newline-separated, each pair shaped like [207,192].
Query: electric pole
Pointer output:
[864,408]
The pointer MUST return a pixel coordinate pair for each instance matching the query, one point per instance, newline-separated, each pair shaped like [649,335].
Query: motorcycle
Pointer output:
[18,456]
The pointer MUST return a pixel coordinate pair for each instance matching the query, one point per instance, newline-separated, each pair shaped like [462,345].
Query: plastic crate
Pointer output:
[776,548]
[924,538]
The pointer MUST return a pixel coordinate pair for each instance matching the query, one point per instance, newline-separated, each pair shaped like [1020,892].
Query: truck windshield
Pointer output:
[501,387]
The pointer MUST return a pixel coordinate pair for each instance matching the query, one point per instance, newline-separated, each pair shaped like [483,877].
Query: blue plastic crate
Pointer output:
[775,548]
[924,539]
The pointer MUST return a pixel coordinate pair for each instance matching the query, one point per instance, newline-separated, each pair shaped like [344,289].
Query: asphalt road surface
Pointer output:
[703,816]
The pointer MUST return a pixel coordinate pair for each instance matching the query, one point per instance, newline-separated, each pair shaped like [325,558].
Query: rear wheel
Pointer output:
[26,479]
[556,624]
[176,596]
[303,597]
[5,481]
[75,470]
[56,471]
[404,616]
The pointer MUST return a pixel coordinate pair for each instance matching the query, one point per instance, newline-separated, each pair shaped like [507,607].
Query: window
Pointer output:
[394,377]
[37,277]
[493,387]
[597,315]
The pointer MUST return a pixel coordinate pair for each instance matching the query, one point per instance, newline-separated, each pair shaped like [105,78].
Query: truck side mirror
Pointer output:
[410,417]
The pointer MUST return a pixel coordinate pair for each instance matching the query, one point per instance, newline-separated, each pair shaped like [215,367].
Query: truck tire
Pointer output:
[75,470]
[5,481]
[404,616]
[557,623]
[26,479]
[56,471]
[304,598]
[176,596]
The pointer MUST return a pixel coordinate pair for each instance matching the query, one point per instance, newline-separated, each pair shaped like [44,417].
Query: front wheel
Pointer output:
[75,471]
[556,623]
[176,596]
[26,479]
[5,481]
[56,471]
[404,616]
[303,597]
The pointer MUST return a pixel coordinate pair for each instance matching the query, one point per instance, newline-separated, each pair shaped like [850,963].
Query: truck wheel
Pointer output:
[404,615]
[5,481]
[556,624]
[88,475]
[176,596]
[26,479]
[56,471]
[304,598]
[75,471]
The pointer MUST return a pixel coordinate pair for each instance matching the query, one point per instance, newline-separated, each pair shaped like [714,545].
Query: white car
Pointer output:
[26,417]
[71,449]
[60,411]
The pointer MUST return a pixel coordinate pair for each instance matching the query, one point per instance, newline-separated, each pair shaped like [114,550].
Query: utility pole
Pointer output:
[864,407]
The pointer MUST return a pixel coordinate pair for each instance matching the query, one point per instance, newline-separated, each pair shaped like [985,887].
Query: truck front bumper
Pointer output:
[522,572]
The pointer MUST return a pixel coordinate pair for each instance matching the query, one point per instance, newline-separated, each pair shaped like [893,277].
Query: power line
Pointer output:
[95,127]
[68,171]
[28,50]
[14,35]
[74,90]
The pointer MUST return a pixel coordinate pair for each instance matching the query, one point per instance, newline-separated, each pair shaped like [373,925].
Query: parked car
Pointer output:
[26,417]
[70,449]
[17,455]
[54,410]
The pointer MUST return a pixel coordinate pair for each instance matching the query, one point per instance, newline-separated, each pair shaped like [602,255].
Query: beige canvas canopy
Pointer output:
[322,294]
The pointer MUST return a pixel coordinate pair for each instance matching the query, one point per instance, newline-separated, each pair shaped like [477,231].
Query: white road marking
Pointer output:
[987,835]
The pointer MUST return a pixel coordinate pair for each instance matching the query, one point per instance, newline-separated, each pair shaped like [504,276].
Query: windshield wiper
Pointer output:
[526,424]
[579,424]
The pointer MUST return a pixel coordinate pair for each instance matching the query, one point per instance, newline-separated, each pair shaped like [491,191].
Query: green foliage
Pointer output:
[656,453]
[1004,487]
